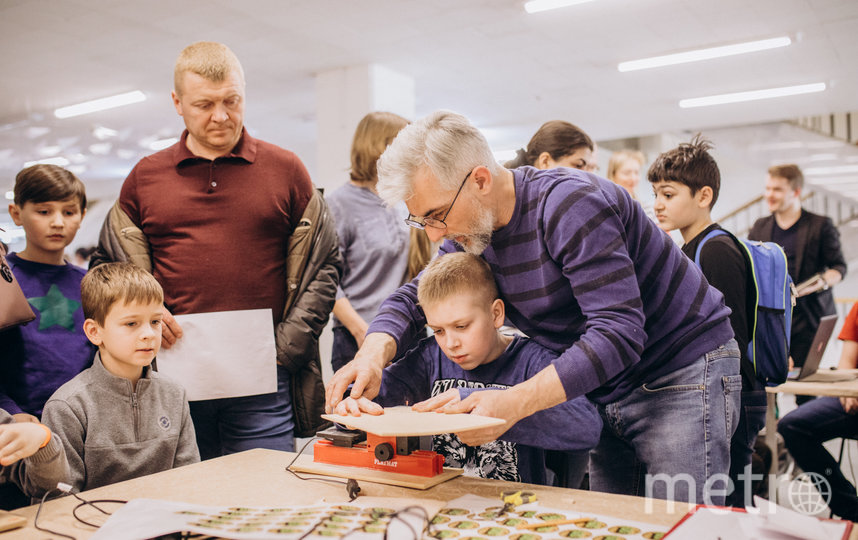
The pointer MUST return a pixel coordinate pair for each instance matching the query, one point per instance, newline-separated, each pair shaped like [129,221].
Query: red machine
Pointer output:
[400,455]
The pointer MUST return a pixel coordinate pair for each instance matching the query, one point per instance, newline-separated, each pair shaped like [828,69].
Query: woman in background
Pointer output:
[380,252]
[556,144]
[624,169]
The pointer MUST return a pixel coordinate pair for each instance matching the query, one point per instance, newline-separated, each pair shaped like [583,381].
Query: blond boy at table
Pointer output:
[120,419]
[468,353]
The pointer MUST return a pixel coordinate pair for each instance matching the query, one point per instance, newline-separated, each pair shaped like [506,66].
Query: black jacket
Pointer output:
[817,246]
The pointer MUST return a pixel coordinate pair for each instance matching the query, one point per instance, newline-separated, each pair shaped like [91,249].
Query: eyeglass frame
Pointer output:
[411,220]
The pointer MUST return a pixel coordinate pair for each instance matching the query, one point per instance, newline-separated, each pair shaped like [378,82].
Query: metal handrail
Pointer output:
[818,201]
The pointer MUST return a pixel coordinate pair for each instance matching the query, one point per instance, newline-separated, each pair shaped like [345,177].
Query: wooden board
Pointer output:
[9,521]
[306,464]
[402,421]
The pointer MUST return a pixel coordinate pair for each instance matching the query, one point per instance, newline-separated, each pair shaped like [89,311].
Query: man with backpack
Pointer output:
[812,246]
[686,182]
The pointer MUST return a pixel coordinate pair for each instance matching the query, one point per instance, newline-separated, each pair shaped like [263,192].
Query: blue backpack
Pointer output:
[768,348]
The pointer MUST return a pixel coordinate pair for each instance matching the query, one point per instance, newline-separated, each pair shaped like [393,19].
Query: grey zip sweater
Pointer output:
[113,432]
[40,472]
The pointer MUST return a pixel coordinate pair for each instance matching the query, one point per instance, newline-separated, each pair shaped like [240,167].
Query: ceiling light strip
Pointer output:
[752,95]
[100,104]
[704,54]
[535,6]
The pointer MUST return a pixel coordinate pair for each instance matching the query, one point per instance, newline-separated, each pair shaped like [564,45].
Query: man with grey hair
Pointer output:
[215,217]
[584,272]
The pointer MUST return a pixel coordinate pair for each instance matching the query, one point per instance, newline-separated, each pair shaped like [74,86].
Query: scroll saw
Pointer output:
[392,448]
[409,454]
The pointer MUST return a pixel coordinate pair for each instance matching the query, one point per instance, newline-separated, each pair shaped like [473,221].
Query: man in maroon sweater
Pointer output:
[217,210]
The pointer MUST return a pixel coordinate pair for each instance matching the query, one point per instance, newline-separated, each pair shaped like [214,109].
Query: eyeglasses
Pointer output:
[423,222]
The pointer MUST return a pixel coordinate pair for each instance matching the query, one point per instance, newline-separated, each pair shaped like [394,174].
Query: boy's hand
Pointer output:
[20,440]
[24,417]
[850,405]
[354,407]
[170,329]
[435,403]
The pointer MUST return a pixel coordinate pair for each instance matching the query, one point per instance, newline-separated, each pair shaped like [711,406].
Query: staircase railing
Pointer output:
[820,201]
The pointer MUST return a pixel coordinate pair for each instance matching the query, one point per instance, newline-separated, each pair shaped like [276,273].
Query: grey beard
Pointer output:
[482,227]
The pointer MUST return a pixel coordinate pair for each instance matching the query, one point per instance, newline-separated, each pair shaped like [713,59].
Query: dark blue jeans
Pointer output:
[752,418]
[343,348]
[670,438]
[805,429]
[230,425]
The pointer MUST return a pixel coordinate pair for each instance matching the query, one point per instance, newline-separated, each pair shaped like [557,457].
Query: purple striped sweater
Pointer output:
[584,272]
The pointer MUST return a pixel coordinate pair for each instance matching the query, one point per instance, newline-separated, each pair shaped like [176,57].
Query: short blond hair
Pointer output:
[619,157]
[106,284]
[208,59]
[456,274]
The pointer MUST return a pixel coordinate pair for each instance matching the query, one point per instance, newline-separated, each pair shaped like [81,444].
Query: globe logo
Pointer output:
[809,493]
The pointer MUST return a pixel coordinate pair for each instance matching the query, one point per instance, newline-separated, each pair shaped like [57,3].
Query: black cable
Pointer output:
[410,510]
[352,487]
[93,504]
[39,511]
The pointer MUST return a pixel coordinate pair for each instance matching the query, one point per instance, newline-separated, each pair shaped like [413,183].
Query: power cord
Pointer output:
[38,513]
[67,489]
[352,487]
[409,510]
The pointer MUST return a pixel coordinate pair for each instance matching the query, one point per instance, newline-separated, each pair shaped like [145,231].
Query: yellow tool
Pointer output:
[511,499]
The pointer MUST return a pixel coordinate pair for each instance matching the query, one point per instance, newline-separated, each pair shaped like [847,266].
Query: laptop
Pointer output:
[809,372]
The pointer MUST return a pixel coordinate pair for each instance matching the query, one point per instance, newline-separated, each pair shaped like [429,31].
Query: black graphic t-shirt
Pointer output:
[519,455]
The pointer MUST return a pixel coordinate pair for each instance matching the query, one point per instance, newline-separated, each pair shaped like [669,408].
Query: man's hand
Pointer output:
[434,403]
[20,440]
[541,391]
[364,371]
[850,404]
[494,403]
[24,417]
[354,407]
[170,329]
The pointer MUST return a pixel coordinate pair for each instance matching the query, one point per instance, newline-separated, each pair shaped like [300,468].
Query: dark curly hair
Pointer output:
[690,164]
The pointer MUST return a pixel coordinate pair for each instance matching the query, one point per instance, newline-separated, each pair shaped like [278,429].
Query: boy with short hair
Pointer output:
[460,299]
[37,358]
[119,419]
[686,182]
[30,456]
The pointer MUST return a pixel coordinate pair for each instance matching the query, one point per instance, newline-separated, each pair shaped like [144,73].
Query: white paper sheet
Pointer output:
[223,354]
[765,522]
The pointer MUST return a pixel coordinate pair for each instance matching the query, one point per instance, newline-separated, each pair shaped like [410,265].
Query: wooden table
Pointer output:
[830,389]
[258,478]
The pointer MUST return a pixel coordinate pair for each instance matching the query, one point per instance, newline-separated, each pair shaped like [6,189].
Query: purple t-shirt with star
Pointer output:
[41,356]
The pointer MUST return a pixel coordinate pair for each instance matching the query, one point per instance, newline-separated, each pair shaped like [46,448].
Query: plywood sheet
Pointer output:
[306,464]
[402,421]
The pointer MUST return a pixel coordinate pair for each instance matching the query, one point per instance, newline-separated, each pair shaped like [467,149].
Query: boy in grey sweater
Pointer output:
[119,419]
[30,456]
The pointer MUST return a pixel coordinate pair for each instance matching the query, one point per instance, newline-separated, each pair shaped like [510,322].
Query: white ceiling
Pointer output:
[507,70]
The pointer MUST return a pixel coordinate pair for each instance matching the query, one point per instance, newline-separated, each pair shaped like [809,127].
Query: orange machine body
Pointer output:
[367,455]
